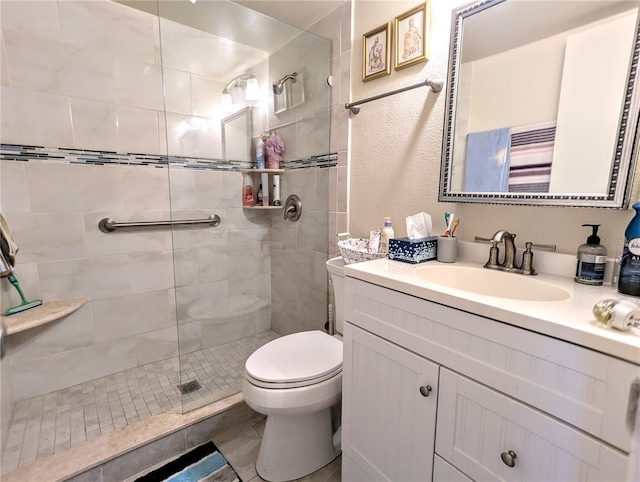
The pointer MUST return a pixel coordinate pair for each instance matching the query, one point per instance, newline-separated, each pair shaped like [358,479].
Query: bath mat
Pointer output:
[202,464]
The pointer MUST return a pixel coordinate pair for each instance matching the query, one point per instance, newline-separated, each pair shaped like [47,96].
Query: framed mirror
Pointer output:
[542,103]
[237,135]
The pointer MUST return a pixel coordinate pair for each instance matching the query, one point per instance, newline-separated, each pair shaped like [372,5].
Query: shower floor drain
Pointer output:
[189,387]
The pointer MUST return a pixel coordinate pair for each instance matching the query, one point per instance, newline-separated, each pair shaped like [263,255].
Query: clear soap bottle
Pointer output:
[592,259]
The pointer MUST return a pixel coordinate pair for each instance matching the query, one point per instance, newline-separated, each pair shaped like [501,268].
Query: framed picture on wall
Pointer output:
[376,52]
[412,37]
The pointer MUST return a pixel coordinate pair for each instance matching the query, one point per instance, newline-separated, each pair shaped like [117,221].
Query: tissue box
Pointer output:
[413,250]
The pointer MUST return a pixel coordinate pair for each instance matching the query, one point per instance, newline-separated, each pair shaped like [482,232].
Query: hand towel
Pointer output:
[8,249]
[487,161]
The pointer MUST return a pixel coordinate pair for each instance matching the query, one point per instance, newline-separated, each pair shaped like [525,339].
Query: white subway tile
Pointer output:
[58,68]
[206,96]
[108,27]
[193,136]
[95,124]
[48,237]
[39,18]
[14,193]
[126,316]
[138,84]
[177,86]
[192,300]
[83,364]
[30,378]
[137,130]
[63,187]
[35,118]
[157,345]
[151,271]
[146,188]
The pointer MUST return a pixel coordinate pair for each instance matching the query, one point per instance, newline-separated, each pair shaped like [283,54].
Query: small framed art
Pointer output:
[376,52]
[412,37]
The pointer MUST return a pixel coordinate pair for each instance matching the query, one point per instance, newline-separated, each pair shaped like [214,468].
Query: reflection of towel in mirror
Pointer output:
[531,156]
[8,249]
[633,423]
[487,161]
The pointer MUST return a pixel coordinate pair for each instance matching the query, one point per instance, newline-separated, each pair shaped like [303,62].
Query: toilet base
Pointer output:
[296,445]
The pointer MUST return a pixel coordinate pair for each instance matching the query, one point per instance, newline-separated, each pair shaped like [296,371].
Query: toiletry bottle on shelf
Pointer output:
[247,190]
[592,259]
[387,234]
[259,197]
[629,279]
[276,190]
[259,153]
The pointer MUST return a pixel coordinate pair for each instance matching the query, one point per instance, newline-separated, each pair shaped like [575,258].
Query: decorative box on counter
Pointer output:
[413,250]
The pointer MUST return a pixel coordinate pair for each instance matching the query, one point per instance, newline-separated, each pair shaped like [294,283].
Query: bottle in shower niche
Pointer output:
[248,198]
[386,235]
[629,279]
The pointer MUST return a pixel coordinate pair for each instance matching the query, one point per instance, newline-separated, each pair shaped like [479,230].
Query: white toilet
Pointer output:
[295,380]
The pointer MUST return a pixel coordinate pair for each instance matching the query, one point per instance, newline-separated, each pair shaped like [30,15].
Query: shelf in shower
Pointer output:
[41,315]
[262,207]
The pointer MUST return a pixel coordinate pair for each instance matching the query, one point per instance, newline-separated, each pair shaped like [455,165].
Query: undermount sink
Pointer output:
[495,283]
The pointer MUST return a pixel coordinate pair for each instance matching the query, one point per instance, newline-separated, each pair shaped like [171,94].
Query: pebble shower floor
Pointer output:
[52,423]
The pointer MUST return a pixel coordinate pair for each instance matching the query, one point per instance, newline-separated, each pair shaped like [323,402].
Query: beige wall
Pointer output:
[396,145]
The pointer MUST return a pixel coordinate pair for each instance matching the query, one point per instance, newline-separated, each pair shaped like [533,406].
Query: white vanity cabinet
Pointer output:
[503,396]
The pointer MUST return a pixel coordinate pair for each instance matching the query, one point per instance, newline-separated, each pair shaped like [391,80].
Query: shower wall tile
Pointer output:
[312,308]
[342,189]
[263,319]
[83,364]
[61,188]
[186,270]
[189,337]
[312,232]
[48,237]
[209,188]
[126,316]
[205,96]
[200,235]
[151,271]
[14,193]
[30,377]
[157,345]
[95,124]
[240,219]
[322,189]
[125,241]
[137,130]
[232,261]
[72,331]
[193,136]
[4,68]
[312,129]
[146,189]
[258,286]
[138,84]
[345,78]
[301,181]
[95,278]
[177,96]
[59,68]
[35,118]
[339,129]
[38,18]
[226,328]
[27,274]
[199,298]
[106,26]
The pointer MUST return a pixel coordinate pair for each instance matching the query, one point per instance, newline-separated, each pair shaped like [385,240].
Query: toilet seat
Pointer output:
[296,360]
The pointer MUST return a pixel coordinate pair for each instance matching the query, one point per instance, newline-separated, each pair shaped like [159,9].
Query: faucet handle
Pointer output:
[546,247]
[492,262]
[527,260]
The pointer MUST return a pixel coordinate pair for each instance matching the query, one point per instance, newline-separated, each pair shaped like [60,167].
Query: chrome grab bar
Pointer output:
[107,225]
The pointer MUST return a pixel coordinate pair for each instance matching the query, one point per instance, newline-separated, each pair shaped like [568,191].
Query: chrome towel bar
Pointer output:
[436,86]
[106,225]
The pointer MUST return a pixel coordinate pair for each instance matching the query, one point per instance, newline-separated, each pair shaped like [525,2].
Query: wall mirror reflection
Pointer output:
[237,135]
[542,104]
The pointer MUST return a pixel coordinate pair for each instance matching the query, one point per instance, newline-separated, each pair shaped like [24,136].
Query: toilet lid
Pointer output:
[301,357]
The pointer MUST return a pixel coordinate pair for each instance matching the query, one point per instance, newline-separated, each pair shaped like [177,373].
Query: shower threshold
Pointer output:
[97,420]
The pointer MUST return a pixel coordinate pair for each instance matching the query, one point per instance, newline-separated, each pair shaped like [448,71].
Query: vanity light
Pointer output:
[242,88]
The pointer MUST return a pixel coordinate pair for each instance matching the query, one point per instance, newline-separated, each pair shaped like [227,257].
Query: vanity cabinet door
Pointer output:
[489,436]
[389,405]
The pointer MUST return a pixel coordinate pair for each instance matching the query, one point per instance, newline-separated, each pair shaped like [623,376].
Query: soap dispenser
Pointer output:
[592,259]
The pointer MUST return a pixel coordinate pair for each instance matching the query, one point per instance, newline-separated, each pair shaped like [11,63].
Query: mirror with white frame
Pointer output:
[542,103]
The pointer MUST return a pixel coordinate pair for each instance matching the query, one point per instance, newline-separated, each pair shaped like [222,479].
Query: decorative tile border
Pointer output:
[17,152]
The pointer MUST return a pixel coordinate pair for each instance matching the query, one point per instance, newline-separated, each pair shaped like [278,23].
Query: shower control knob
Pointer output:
[509,458]
[425,390]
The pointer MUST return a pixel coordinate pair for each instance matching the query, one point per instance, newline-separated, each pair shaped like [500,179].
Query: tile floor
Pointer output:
[52,423]
[240,446]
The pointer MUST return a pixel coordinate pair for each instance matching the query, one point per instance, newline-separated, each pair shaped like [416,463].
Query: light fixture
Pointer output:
[241,88]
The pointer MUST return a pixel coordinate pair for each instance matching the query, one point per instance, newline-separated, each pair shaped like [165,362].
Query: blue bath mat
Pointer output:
[202,464]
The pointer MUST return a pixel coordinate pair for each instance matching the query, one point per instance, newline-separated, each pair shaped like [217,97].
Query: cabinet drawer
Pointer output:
[443,471]
[476,425]
[583,387]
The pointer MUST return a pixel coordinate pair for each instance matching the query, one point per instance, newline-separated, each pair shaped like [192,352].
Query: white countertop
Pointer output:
[571,320]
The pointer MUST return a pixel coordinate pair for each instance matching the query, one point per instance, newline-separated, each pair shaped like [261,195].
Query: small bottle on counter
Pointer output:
[259,197]
[386,235]
[592,259]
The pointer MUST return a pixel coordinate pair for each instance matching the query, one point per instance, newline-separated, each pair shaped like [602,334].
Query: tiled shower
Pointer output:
[109,111]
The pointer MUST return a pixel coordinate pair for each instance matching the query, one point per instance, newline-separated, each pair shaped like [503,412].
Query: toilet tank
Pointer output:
[335,266]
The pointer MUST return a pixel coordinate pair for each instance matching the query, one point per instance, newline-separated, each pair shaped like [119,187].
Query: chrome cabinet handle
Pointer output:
[509,458]
[425,390]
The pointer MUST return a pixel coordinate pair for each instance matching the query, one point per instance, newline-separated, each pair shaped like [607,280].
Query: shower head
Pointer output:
[278,86]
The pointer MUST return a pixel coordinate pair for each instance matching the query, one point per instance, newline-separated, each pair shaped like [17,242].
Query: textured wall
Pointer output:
[396,147]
